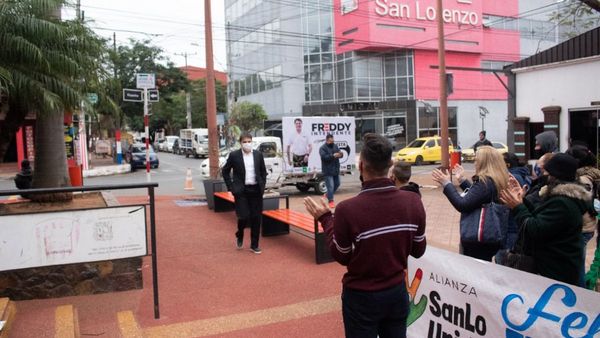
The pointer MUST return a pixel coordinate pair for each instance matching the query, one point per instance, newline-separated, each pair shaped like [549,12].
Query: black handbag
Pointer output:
[517,258]
[488,224]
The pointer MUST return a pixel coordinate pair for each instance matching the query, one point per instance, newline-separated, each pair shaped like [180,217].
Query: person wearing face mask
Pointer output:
[330,167]
[247,186]
[372,234]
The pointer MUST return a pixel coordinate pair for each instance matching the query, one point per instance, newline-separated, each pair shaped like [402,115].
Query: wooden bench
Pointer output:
[224,201]
[281,221]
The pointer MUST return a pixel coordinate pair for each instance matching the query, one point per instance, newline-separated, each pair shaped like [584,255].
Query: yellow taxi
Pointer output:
[468,155]
[423,149]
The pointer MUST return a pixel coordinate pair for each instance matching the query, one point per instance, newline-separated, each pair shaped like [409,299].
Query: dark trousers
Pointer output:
[369,314]
[248,208]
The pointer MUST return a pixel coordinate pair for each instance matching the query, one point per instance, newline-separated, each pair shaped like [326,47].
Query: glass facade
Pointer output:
[529,28]
[429,122]
[317,29]
[371,76]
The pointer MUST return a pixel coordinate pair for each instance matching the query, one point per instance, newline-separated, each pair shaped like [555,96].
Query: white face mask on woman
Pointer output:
[247,147]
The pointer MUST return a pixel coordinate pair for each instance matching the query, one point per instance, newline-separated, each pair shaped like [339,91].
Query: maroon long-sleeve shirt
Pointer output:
[374,232]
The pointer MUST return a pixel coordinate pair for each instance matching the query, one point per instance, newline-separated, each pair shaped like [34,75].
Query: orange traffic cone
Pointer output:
[189,182]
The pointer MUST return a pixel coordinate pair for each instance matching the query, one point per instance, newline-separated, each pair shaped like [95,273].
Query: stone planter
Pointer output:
[210,187]
[72,279]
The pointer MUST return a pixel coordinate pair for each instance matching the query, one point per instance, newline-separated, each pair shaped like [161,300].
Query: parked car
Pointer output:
[468,155]
[168,144]
[176,149]
[136,156]
[223,153]
[423,149]
[159,144]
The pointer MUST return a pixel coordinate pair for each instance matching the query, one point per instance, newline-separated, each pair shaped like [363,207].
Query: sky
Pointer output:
[176,26]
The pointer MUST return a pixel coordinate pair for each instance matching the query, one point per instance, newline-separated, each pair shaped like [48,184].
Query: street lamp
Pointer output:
[483,112]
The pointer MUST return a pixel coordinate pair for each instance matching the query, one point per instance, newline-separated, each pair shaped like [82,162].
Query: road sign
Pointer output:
[153,95]
[144,80]
[92,97]
[133,95]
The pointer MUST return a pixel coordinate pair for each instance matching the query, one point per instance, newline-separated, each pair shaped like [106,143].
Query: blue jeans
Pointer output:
[368,314]
[332,183]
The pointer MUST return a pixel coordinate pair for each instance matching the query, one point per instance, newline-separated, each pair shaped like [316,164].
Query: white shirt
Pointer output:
[299,144]
[249,165]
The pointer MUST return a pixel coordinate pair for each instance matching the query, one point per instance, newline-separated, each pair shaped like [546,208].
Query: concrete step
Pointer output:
[8,312]
[66,323]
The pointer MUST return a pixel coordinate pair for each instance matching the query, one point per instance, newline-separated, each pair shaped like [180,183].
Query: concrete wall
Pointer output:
[469,123]
[568,85]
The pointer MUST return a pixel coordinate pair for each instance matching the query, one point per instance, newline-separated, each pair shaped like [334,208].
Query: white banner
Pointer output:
[77,236]
[457,296]
[303,136]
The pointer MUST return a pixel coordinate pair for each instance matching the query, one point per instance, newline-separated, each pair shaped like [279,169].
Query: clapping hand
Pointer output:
[316,209]
[441,177]
[458,171]
[513,195]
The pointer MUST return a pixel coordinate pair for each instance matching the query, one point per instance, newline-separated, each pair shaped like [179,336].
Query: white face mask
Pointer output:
[247,147]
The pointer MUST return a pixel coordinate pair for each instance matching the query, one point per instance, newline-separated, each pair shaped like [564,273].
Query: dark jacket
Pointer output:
[478,194]
[373,234]
[521,174]
[412,186]
[479,143]
[23,178]
[533,193]
[330,165]
[235,162]
[553,231]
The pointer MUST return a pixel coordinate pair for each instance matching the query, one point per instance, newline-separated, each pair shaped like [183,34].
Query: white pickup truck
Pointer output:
[193,142]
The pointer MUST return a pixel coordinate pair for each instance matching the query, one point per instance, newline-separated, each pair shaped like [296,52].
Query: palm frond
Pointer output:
[17,49]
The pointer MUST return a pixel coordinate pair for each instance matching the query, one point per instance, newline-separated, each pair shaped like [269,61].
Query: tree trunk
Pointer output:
[50,169]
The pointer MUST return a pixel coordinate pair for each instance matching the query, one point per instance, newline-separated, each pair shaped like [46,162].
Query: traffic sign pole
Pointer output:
[147,130]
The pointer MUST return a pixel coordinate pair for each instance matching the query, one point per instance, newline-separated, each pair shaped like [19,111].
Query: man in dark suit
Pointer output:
[247,186]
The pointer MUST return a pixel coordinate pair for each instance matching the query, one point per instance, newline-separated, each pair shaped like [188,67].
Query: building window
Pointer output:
[428,119]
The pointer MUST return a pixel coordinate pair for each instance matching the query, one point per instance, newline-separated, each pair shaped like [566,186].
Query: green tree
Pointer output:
[45,66]
[171,113]
[575,17]
[142,57]
[247,116]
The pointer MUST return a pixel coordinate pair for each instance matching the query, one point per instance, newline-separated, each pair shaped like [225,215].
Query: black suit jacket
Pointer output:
[235,162]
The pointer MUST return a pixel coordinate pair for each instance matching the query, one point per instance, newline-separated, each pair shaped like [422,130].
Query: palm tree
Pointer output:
[45,66]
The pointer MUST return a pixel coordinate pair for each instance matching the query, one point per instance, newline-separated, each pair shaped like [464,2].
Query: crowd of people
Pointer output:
[552,210]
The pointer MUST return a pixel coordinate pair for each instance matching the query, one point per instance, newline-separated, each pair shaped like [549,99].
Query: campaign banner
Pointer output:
[303,136]
[457,296]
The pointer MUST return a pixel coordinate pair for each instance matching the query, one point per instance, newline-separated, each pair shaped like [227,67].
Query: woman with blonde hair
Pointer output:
[491,176]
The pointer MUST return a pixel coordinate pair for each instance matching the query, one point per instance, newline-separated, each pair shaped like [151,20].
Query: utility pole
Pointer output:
[188,97]
[443,92]
[211,96]
[78,10]
[231,83]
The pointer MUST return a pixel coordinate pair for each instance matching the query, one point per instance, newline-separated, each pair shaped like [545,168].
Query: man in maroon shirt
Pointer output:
[372,234]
